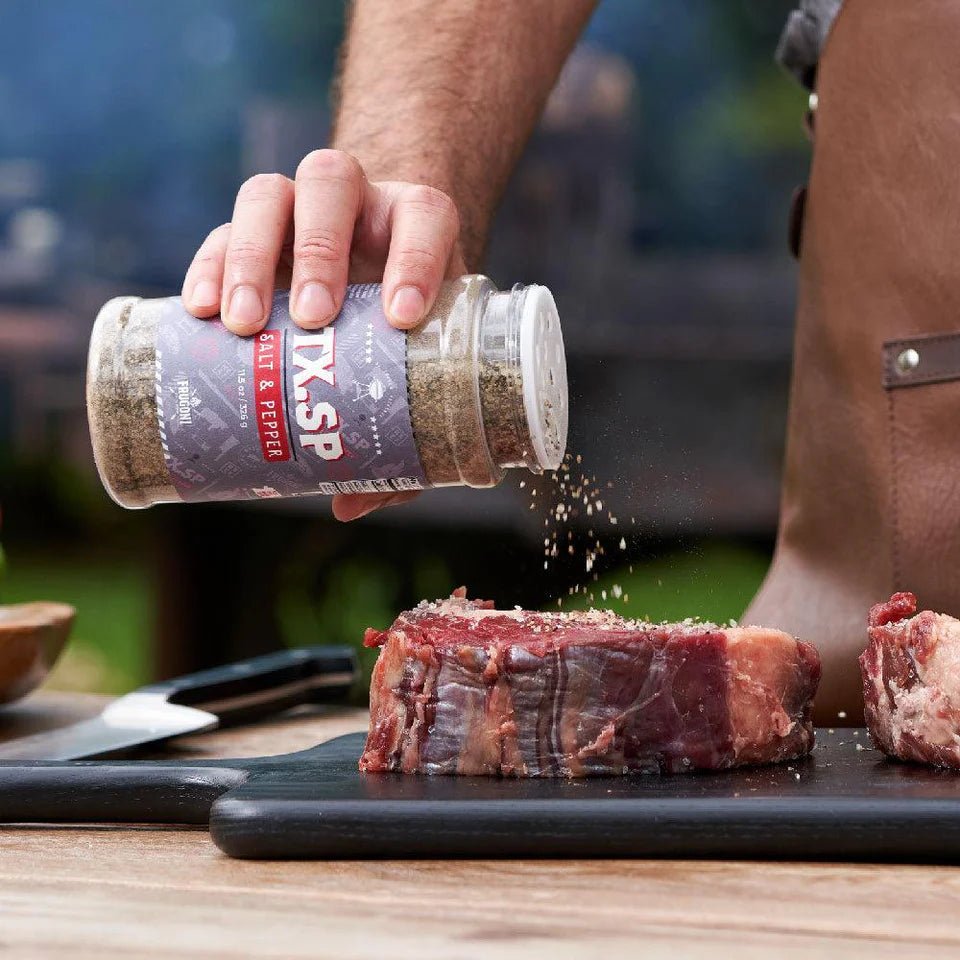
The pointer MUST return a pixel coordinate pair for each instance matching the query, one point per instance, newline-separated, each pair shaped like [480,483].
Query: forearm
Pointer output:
[447,93]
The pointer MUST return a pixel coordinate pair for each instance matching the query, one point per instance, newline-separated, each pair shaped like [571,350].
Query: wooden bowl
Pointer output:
[31,638]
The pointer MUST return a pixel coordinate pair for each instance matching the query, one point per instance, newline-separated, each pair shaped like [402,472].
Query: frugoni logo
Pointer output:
[184,400]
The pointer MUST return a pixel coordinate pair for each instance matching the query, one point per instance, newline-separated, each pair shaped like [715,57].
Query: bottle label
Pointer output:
[287,412]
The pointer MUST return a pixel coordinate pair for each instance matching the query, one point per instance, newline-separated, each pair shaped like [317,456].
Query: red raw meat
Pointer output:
[911,682]
[460,688]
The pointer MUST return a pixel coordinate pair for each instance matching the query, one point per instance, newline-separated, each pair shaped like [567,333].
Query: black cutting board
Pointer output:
[845,802]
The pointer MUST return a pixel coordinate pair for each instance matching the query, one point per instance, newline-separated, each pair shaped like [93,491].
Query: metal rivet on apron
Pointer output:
[814,102]
[908,361]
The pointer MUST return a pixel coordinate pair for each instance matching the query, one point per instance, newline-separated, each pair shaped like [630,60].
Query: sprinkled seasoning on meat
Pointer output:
[462,688]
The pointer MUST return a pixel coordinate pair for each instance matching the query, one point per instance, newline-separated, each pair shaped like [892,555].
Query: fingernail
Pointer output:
[407,306]
[205,294]
[245,308]
[314,304]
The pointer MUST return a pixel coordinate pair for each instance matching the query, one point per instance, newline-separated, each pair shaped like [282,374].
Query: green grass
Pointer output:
[714,582]
[109,649]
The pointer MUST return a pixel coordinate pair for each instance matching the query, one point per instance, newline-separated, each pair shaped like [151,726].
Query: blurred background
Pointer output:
[653,200]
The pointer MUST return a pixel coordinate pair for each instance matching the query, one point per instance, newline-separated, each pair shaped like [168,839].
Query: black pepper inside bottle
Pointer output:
[485,385]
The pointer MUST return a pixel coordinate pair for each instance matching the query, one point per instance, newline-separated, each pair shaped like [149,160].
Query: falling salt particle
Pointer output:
[626,598]
[523,483]
[842,715]
[600,505]
[603,593]
[797,775]
[623,543]
[617,590]
[546,564]
[589,510]
[860,746]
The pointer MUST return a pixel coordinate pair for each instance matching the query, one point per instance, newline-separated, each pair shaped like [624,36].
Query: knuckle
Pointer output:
[207,258]
[319,247]
[419,258]
[264,187]
[217,234]
[432,201]
[248,253]
[330,165]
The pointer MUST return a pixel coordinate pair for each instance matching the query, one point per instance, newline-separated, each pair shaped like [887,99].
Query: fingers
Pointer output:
[201,286]
[261,219]
[329,195]
[352,506]
[413,228]
[425,227]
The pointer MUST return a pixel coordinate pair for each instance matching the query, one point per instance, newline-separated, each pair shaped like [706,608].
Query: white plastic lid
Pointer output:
[543,365]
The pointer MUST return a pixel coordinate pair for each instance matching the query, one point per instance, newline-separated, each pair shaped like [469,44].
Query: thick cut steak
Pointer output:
[460,688]
[911,682]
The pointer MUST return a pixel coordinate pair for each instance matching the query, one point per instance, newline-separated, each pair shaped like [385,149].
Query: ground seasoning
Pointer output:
[570,494]
[478,388]
[122,408]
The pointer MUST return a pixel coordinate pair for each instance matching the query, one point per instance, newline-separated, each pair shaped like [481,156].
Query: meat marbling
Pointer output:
[911,682]
[461,688]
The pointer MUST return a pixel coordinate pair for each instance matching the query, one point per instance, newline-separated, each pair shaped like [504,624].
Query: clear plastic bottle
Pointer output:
[182,410]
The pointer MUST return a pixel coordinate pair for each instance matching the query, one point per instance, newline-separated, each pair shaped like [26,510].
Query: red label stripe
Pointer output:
[268,391]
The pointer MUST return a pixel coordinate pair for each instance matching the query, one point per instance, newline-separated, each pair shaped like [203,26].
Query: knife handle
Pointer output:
[250,689]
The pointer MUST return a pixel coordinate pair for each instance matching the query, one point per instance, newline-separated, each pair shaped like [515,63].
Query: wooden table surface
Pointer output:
[144,892]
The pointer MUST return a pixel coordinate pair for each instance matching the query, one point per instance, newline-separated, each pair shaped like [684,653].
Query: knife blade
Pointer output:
[238,692]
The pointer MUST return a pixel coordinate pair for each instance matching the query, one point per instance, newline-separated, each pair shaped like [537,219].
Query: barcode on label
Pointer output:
[369,486]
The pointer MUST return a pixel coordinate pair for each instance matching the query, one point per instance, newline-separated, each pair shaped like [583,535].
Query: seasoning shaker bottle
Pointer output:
[181,409]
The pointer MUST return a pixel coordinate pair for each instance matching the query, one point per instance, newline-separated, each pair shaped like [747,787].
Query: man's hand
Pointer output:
[450,106]
[329,227]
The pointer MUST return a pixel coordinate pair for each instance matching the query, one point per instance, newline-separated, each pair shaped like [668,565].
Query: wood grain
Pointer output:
[109,892]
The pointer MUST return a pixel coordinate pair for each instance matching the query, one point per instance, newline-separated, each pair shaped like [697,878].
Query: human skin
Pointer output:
[435,103]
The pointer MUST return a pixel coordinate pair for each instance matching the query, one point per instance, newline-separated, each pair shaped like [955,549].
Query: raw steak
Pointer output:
[911,682]
[462,688]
